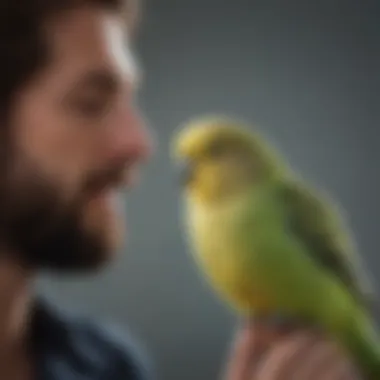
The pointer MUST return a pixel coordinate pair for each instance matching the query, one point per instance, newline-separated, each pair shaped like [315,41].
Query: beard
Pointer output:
[43,228]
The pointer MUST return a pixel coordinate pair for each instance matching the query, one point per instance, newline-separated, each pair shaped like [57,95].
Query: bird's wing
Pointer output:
[319,225]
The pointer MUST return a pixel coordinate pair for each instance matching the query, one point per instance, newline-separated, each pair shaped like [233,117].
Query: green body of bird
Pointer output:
[268,243]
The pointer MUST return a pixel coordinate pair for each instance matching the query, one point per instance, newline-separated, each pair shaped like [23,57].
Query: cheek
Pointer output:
[53,142]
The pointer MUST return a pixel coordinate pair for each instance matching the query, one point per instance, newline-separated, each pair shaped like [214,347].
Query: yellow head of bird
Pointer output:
[221,157]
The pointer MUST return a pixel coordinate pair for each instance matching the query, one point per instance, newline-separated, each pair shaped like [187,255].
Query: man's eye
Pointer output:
[90,107]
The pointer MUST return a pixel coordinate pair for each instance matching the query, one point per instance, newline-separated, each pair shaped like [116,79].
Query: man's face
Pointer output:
[74,140]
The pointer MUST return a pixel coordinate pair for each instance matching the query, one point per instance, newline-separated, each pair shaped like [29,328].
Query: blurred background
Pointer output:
[306,73]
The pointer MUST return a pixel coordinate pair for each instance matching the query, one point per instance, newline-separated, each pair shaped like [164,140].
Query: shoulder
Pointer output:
[99,347]
[121,353]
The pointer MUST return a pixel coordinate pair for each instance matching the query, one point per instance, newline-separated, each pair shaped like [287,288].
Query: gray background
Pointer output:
[307,74]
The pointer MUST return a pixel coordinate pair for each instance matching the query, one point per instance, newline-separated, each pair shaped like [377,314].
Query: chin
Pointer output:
[115,236]
[108,242]
[109,226]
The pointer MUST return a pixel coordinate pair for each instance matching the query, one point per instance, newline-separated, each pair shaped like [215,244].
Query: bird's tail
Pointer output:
[362,340]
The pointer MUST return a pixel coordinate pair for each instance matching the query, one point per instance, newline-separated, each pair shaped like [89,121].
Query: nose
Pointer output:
[132,138]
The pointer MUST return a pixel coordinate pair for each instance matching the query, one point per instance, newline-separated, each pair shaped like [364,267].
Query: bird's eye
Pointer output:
[216,150]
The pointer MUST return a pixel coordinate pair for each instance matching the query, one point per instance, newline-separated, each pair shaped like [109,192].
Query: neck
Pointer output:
[14,306]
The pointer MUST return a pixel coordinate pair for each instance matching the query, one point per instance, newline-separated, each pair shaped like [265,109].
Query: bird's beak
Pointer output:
[186,172]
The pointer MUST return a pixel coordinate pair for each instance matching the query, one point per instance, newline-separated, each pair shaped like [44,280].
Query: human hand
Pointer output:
[263,352]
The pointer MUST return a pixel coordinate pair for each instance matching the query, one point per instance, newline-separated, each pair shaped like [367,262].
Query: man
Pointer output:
[71,138]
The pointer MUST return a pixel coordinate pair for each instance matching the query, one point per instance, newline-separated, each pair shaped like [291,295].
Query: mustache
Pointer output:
[114,175]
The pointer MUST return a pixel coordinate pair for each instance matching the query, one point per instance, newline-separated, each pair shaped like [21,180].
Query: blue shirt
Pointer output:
[73,348]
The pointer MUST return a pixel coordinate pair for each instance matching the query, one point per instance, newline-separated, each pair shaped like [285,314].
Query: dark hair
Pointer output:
[23,43]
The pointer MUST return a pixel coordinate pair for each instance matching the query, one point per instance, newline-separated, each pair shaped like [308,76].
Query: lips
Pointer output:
[119,182]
